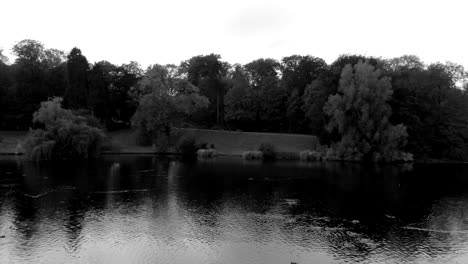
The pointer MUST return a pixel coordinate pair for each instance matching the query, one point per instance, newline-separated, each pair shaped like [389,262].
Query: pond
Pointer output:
[149,209]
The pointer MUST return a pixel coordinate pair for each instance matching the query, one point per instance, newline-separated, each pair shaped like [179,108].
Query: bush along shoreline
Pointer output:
[314,154]
[63,135]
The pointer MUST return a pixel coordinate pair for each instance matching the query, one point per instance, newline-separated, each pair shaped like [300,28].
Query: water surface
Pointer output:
[148,209]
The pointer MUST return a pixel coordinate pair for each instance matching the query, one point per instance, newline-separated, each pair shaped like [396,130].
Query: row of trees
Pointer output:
[299,94]
[101,89]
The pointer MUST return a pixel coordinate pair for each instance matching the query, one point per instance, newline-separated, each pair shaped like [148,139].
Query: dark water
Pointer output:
[144,209]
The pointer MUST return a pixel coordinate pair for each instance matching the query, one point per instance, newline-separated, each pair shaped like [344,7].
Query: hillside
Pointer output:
[9,141]
[225,142]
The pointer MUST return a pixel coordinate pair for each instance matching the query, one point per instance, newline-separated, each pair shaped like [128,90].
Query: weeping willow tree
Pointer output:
[360,113]
[64,136]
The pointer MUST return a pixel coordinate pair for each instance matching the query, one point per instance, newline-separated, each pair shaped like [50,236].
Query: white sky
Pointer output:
[240,30]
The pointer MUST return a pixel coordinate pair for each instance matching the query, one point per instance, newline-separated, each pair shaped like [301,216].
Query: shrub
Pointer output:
[203,145]
[66,136]
[252,155]
[187,146]
[308,155]
[206,153]
[398,156]
[64,141]
[268,151]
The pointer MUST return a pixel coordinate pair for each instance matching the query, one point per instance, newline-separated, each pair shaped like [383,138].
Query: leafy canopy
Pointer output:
[66,136]
[360,114]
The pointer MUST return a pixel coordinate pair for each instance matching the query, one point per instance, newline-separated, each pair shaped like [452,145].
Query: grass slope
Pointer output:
[226,142]
[9,140]
[235,143]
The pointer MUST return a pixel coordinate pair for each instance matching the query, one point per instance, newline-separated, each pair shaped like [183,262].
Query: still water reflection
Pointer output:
[147,209]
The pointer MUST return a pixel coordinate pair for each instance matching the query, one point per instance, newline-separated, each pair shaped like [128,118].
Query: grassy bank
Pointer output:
[9,141]
[225,142]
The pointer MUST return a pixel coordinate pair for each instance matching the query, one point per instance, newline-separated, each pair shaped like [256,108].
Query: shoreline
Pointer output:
[228,144]
[281,157]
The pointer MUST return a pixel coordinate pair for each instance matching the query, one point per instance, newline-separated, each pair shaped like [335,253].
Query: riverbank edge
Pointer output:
[281,156]
[133,149]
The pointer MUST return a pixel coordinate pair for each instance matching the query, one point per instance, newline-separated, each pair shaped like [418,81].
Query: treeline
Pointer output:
[290,95]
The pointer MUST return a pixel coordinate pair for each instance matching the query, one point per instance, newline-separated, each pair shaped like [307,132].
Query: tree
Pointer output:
[155,79]
[6,82]
[317,92]
[258,70]
[100,78]
[76,95]
[337,66]
[360,113]
[53,58]
[434,109]
[163,104]
[297,73]
[208,73]
[65,136]
[29,50]
[110,91]
[121,106]
[405,63]
[240,110]
[315,96]
[257,100]
[42,68]
[56,79]
[271,100]
[29,78]
[3,58]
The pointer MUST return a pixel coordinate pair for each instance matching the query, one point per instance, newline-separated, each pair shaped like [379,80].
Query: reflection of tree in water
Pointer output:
[76,211]
[222,203]
[315,204]
[40,208]
[386,200]
[34,184]
[401,214]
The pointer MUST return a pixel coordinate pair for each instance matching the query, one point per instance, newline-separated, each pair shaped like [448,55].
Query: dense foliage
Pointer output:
[289,95]
[163,102]
[65,136]
[268,150]
[360,113]
[187,145]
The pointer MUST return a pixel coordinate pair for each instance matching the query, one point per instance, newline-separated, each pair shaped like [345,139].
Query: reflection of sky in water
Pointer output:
[127,209]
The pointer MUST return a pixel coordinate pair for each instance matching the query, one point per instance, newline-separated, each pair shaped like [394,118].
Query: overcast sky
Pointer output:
[241,30]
